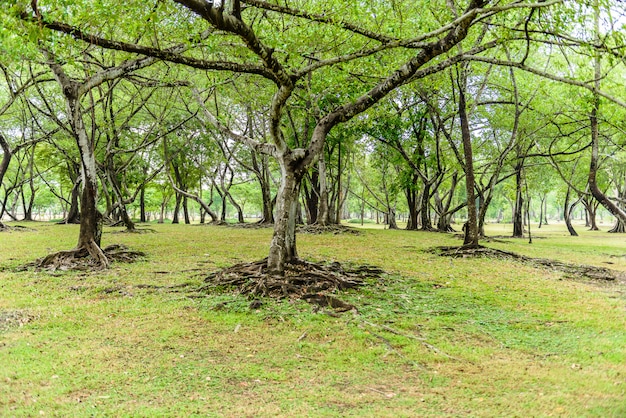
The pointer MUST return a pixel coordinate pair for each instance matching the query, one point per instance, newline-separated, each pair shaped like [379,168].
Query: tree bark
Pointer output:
[4,164]
[567,213]
[619,214]
[518,211]
[283,245]
[411,200]
[323,213]
[179,199]
[425,209]
[73,214]
[471,227]
[142,204]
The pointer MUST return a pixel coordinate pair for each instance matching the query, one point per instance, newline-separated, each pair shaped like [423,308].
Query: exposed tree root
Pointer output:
[570,269]
[302,280]
[86,258]
[323,229]
[15,228]
[247,225]
[136,231]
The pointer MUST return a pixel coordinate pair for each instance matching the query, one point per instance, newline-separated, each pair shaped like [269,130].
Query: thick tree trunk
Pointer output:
[310,191]
[90,232]
[411,200]
[73,214]
[391,219]
[619,228]
[471,227]
[283,245]
[425,209]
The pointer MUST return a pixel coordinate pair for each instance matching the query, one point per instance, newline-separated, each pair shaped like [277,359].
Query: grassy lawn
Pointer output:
[435,337]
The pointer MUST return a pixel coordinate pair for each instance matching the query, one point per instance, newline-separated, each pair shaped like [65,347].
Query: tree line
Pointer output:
[310,110]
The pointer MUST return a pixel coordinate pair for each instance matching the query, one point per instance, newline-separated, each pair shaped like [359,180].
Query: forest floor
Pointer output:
[434,336]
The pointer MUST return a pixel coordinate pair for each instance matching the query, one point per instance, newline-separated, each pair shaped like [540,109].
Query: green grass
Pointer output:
[471,337]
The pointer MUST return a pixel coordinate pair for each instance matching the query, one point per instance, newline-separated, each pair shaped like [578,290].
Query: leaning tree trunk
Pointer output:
[283,245]
[616,211]
[619,227]
[471,228]
[567,213]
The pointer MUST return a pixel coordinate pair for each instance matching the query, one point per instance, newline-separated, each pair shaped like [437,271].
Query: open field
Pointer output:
[435,337]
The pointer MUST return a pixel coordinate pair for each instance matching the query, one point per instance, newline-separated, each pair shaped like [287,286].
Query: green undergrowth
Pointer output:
[433,337]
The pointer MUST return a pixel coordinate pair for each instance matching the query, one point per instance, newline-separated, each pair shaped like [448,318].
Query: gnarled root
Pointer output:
[86,257]
[570,269]
[301,280]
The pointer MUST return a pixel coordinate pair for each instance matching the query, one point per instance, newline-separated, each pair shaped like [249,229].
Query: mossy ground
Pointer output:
[435,337]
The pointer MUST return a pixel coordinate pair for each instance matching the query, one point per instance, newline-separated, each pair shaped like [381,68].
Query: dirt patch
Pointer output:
[14,319]
[570,269]
[312,282]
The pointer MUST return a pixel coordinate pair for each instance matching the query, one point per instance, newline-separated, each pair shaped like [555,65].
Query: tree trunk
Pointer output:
[179,198]
[471,227]
[411,200]
[425,209]
[4,164]
[283,245]
[323,213]
[73,215]
[518,211]
[591,209]
[142,204]
[262,174]
[619,214]
[567,213]
[310,193]
[186,210]
[391,219]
